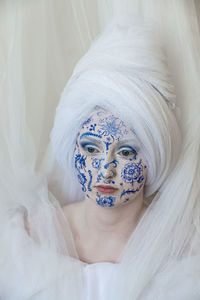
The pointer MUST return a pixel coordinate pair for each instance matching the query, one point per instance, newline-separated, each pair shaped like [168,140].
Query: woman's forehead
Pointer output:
[107,128]
[104,123]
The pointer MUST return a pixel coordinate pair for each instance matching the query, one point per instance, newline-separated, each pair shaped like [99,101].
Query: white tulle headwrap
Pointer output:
[137,85]
[124,71]
[161,257]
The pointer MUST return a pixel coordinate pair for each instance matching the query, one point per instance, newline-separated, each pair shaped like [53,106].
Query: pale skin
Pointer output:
[107,154]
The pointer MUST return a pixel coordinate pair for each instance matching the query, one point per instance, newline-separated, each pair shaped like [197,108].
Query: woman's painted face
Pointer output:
[108,160]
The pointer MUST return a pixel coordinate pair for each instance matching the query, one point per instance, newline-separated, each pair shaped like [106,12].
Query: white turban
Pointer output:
[124,71]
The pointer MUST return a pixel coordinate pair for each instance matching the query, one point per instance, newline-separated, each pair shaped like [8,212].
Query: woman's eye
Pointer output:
[91,150]
[128,153]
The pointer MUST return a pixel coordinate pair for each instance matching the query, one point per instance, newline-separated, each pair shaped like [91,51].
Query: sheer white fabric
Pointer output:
[161,259]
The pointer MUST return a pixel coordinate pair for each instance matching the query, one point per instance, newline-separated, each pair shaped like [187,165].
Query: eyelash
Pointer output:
[85,147]
[130,149]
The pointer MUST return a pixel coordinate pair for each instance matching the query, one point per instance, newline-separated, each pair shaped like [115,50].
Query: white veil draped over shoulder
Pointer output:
[42,41]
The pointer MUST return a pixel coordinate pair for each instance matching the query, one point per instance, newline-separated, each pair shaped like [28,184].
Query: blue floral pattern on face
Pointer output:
[132,172]
[100,158]
[80,166]
[105,201]
[80,161]
[96,163]
[112,126]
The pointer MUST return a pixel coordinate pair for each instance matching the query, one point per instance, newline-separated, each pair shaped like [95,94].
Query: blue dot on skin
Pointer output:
[126,200]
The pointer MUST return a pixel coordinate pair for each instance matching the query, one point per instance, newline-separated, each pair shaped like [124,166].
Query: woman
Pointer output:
[141,103]
[123,147]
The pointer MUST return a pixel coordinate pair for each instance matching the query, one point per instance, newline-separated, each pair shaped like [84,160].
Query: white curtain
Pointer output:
[41,41]
[51,37]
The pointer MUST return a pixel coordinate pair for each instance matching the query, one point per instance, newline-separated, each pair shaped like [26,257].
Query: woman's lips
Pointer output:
[106,189]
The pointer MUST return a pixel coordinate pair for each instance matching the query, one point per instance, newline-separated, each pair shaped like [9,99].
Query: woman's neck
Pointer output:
[100,233]
[116,221]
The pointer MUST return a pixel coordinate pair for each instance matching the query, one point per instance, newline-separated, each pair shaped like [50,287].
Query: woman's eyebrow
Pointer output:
[89,136]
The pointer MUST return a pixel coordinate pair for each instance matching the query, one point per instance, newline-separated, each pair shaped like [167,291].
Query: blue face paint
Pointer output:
[110,182]
[96,163]
[90,180]
[86,122]
[113,162]
[128,192]
[80,162]
[101,158]
[132,172]
[92,127]
[107,145]
[100,178]
[105,201]
[112,126]
[91,134]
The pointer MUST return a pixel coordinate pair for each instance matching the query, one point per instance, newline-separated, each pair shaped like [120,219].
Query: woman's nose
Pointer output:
[109,169]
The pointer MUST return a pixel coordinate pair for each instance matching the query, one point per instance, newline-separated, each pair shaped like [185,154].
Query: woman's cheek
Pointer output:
[80,162]
[87,170]
[133,176]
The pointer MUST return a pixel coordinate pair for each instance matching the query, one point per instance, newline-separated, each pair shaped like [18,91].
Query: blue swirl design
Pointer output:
[132,172]
[90,181]
[96,163]
[79,165]
[105,201]
[112,126]
[114,162]
[133,191]
[82,179]
[100,177]
[80,161]
[140,179]
[109,182]
[91,134]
